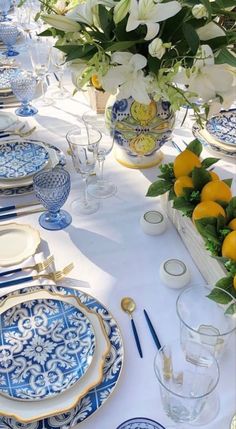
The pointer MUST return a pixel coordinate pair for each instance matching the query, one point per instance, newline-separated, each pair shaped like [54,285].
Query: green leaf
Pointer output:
[122,46]
[74,51]
[157,188]
[167,172]
[200,177]
[183,205]
[225,57]
[228,182]
[219,296]
[105,20]
[207,162]
[195,146]
[231,309]
[191,37]
[171,194]
[231,209]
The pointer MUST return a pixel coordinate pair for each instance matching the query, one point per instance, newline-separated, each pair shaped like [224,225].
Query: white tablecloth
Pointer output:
[113,255]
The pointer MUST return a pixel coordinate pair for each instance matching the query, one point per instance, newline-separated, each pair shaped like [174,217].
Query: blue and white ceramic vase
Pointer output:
[139,130]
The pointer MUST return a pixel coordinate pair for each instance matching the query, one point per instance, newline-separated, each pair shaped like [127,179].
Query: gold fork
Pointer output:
[21,133]
[56,276]
[37,267]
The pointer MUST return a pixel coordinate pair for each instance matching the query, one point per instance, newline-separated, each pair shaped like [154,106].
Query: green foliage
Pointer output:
[208,162]
[196,147]
[200,177]
[231,209]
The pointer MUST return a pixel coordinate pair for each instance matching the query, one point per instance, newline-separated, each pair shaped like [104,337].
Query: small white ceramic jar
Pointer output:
[174,273]
[153,222]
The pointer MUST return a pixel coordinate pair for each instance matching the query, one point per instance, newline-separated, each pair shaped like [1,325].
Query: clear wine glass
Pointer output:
[52,189]
[102,188]
[8,34]
[5,6]
[83,152]
[24,86]
[58,61]
[187,380]
[40,59]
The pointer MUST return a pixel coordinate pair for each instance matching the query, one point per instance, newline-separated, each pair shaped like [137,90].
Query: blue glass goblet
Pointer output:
[52,189]
[8,34]
[24,86]
[4,9]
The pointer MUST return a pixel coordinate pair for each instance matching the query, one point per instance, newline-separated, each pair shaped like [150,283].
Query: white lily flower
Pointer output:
[61,22]
[121,10]
[149,13]
[157,48]
[84,12]
[128,77]
[199,11]
[210,31]
[204,56]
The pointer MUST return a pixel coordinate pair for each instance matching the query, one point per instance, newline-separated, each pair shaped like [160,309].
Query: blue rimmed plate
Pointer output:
[223,127]
[46,346]
[16,191]
[140,423]
[96,396]
[212,144]
[19,159]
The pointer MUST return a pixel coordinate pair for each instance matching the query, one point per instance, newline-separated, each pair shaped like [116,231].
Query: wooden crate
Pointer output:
[211,269]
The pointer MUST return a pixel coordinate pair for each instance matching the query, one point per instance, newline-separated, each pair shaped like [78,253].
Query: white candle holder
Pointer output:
[174,273]
[153,222]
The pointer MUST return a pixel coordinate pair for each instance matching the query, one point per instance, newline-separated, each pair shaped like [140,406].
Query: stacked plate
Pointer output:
[20,159]
[219,133]
[61,355]
[8,99]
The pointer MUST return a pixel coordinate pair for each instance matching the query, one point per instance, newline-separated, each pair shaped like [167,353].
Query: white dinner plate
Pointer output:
[7,119]
[17,243]
[20,410]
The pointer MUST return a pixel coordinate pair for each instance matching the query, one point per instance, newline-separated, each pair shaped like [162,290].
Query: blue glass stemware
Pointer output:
[24,86]
[52,189]
[5,6]
[8,34]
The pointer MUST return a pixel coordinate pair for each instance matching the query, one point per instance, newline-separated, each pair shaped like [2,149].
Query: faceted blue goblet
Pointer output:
[8,34]
[52,189]
[24,85]
[4,9]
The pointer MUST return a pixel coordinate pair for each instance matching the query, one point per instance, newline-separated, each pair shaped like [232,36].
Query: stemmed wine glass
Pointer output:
[24,86]
[57,59]
[52,189]
[83,152]
[5,6]
[102,188]
[8,34]
[40,59]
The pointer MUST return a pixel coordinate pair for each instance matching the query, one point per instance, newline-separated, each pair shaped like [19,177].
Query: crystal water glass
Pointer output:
[83,152]
[24,86]
[5,6]
[205,321]
[102,188]
[52,189]
[187,380]
[58,62]
[40,60]
[8,34]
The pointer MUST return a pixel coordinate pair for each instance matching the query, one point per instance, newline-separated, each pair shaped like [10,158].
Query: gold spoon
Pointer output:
[128,306]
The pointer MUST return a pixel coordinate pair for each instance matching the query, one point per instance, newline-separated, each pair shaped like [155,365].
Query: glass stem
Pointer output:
[101,160]
[60,84]
[54,216]
[43,91]
[85,193]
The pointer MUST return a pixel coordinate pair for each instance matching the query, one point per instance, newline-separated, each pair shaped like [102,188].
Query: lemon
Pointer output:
[96,82]
[214,176]
[232,224]
[234,282]
[143,113]
[207,209]
[142,144]
[185,162]
[216,191]
[229,246]
[181,183]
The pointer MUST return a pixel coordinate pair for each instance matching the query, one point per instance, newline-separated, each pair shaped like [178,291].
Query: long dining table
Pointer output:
[114,258]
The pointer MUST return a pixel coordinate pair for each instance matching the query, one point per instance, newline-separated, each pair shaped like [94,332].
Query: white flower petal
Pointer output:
[210,31]
[207,56]
[132,23]
[121,57]
[221,79]
[115,76]
[61,22]
[137,62]
[152,30]
[167,10]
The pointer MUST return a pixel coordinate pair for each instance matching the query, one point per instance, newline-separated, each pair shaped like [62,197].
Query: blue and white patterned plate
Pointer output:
[97,396]
[46,346]
[223,127]
[24,190]
[21,159]
[140,423]
[209,145]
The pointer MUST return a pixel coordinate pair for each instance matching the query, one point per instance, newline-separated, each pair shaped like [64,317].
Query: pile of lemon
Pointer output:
[213,191]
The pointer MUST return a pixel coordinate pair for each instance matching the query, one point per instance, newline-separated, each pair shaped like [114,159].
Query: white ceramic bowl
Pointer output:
[153,222]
